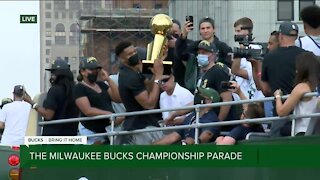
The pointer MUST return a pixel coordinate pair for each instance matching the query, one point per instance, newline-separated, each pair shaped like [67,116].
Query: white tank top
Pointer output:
[304,107]
[310,44]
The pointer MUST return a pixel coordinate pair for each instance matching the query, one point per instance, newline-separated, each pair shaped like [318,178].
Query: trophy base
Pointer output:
[147,65]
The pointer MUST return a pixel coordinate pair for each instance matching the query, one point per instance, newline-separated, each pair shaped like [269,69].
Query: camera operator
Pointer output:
[241,66]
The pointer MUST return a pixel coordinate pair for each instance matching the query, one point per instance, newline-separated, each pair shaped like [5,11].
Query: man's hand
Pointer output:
[169,121]
[27,98]
[256,65]
[172,42]
[235,87]
[278,93]
[104,75]
[186,29]
[189,140]
[119,120]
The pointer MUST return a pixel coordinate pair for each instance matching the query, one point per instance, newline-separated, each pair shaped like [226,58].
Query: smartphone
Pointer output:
[226,85]
[190,18]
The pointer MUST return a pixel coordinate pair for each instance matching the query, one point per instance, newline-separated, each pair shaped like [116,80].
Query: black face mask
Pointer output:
[52,80]
[92,77]
[199,100]
[134,60]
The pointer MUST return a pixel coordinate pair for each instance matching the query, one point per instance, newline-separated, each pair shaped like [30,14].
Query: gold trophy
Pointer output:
[160,25]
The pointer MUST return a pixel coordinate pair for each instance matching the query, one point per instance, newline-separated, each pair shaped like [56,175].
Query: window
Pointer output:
[48,42]
[87,4]
[47,60]
[48,14]
[47,51]
[108,4]
[60,35]
[74,4]
[56,15]
[305,3]
[158,6]
[74,34]
[63,15]
[285,10]
[48,5]
[48,25]
[70,15]
[59,4]
[48,33]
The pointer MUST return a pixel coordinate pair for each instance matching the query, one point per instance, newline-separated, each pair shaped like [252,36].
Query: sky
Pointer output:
[19,48]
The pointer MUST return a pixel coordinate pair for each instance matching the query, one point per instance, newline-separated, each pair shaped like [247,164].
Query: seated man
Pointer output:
[207,115]
[173,96]
[250,111]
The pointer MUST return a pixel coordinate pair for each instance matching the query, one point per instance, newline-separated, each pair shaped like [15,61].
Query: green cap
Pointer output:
[209,93]
[89,63]
[5,101]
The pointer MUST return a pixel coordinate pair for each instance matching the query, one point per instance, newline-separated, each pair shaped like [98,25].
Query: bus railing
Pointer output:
[197,124]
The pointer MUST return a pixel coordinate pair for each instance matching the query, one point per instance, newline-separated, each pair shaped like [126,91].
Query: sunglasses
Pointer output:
[163,81]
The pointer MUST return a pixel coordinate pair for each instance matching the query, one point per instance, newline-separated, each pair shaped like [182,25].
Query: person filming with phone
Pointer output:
[207,32]
[187,51]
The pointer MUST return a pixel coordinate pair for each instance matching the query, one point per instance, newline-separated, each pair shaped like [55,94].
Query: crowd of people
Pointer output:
[204,71]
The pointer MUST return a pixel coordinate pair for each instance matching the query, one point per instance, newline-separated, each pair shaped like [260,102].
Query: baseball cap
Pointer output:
[209,93]
[59,64]
[18,90]
[206,45]
[5,101]
[89,63]
[287,28]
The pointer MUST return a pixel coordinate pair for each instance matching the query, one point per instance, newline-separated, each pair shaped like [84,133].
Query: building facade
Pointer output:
[266,15]
[74,28]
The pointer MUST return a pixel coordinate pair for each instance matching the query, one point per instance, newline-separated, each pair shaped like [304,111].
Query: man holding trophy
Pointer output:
[136,92]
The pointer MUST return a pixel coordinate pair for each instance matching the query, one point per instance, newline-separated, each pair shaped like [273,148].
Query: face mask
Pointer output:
[199,100]
[52,78]
[203,60]
[134,60]
[92,77]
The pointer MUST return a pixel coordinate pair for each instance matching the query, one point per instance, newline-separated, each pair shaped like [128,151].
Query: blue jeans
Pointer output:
[84,132]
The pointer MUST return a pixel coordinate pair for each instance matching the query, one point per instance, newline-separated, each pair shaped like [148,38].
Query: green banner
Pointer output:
[170,156]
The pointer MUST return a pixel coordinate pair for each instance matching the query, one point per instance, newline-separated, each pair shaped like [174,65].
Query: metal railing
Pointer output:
[197,125]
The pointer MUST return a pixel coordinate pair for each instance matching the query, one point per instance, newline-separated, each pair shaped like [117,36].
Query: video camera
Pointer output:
[251,49]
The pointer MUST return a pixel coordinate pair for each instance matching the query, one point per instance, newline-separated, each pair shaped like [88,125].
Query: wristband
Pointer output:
[157,81]
[259,74]
[35,106]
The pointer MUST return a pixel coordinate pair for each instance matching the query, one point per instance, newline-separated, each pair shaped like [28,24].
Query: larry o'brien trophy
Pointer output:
[160,25]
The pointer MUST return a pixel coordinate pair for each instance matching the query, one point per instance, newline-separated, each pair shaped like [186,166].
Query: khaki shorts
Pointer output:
[141,138]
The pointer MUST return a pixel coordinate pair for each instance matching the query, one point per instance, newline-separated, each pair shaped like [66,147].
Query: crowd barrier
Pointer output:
[196,125]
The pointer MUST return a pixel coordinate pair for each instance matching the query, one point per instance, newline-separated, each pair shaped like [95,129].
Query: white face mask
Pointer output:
[203,60]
